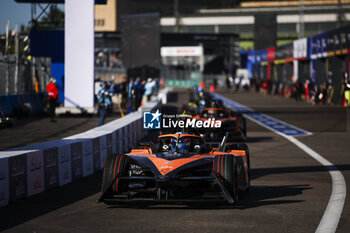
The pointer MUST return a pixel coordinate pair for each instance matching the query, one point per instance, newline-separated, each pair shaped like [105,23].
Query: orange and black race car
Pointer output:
[180,168]
[232,124]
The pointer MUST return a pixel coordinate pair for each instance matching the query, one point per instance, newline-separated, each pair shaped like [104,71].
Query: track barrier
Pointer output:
[36,168]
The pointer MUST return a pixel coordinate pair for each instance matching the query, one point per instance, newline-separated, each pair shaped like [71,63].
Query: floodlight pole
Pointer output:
[301,19]
[177,16]
[340,15]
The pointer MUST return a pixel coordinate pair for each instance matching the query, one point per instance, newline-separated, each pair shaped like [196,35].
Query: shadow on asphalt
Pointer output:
[23,210]
[52,135]
[29,208]
[260,172]
[258,139]
[255,197]
[43,203]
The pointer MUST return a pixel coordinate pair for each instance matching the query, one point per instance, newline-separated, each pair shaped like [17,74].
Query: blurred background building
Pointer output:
[183,40]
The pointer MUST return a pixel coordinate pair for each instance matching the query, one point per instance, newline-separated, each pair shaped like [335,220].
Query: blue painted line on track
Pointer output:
[265,120]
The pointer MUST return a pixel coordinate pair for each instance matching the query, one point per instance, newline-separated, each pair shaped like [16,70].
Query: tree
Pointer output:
[53,19]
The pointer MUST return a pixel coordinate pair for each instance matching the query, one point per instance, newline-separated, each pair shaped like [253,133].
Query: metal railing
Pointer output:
[23,76]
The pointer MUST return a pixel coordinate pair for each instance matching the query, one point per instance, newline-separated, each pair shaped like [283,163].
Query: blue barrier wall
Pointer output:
[31,102]
[50,43]
[57,71]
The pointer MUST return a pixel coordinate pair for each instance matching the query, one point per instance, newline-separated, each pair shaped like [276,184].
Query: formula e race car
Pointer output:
[203,106]
[180,168]
[232,124]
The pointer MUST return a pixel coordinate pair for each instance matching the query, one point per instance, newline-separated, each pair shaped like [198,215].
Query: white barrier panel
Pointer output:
[64,164]
[88,163]
[35,171]
[114,142]
[120,141]
[103,150]
[137,135]
[18,176]
[51,168]
[142,131]
[140,127]
[125,139]
[4,182]
[132,133]
[96,153]
[96,145]
[77,161]
[109,144]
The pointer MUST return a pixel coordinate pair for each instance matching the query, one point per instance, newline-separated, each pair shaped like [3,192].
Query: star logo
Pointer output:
[151,120]
[156,115]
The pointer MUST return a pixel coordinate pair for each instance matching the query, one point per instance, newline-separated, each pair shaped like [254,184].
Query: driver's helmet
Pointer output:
[183,144]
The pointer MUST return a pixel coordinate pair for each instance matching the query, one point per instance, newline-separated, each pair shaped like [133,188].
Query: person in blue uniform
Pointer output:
[104,102]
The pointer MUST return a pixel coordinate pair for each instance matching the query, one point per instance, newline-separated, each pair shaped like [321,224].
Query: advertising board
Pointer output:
[64,164]
[103,150]
[4,182]
[51,168]
[18,177]
[77,163]
[88,162]
[35,171]
[96,153]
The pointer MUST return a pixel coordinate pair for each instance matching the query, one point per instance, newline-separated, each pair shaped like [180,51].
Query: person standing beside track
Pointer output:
[104,102]
[124,92]
[346,90]
[228,83]
[149,89]
[139,88]
[52,92]
[132,95]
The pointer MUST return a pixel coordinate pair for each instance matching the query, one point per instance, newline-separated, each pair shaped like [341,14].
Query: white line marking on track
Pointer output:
[261,118]
[332,214]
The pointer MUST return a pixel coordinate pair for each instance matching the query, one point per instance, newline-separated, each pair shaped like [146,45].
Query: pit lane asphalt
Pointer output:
[28,131]
[289,193]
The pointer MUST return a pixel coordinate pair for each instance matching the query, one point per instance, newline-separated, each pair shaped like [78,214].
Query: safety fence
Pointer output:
[33,169]
[22,75]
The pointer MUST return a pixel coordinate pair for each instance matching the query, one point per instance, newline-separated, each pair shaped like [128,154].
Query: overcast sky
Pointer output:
[17,13]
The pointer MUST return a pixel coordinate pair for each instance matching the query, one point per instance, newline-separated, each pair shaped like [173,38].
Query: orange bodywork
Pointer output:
[165,166]
[181,136]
